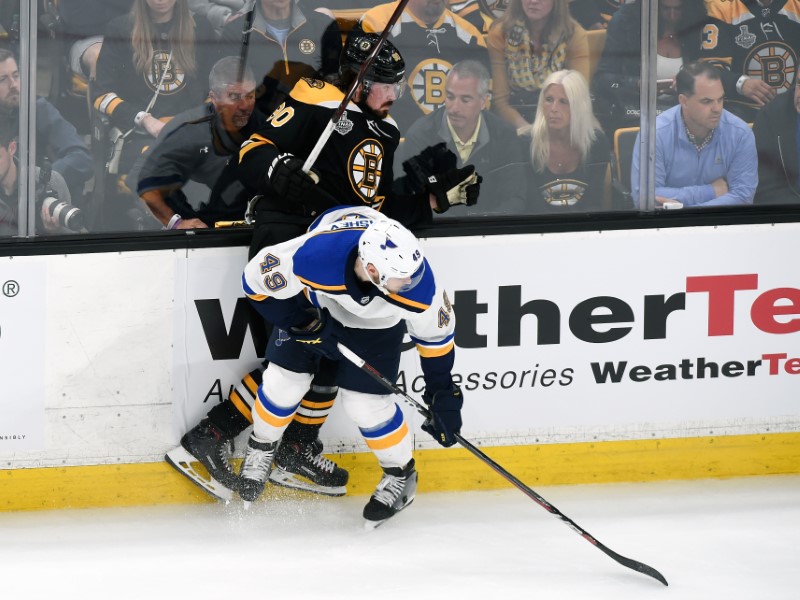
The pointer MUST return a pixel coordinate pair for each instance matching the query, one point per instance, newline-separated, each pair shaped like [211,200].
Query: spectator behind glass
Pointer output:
[705,156]
[287,41]
[757,44]
[216,12]
[777,132]
[198,148]
[153,64]
[57,140]
[52,196]
[533,39]
[617,80]
[476,137]
[570,154]
[431,39]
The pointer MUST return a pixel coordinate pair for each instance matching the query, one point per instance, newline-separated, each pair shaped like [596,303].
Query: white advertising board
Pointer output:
[23,305]
[576,331]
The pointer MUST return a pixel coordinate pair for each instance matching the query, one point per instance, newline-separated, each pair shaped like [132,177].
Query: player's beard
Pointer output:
[378,114]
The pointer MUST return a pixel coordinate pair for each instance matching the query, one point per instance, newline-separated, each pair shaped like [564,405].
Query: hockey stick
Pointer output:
[246,29]
[390,386]
[323,138]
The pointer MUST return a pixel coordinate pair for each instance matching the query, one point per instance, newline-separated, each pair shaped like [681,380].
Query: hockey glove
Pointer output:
[321,335]
[457,186]
[296,187]
[445,419]
[433,159]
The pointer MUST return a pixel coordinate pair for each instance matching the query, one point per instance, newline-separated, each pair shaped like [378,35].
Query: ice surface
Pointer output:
[720,539]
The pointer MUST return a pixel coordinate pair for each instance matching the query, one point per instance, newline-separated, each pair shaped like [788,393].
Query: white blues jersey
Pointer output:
[318,269]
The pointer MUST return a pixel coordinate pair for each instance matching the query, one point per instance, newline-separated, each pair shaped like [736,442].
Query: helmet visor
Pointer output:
[384,88]
[403,284]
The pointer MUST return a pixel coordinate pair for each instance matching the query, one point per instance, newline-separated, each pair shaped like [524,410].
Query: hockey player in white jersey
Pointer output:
[357,278]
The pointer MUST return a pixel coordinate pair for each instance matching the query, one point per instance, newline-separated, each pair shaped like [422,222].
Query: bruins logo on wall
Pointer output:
[563,192]
[427,83]
[774,63]
[174,78]
[366,168]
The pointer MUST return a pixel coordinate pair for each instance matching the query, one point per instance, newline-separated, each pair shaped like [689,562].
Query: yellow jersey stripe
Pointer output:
[319,286]
[428,352]
[408,302]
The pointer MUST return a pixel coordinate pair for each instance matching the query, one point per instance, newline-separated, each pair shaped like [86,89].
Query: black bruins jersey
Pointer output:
[355,165]
[429,53]
[747,39]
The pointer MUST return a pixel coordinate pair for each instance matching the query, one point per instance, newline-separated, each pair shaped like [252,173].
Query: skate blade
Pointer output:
[372,525]
[289,480]
[185,464]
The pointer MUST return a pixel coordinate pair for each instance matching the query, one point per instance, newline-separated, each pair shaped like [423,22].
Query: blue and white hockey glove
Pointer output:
[321,335]
[445,419]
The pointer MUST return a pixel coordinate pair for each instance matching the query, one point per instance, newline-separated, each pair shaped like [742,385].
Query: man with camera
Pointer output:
[54,212]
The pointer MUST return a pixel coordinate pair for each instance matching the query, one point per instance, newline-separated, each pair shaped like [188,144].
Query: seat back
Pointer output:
[597,41]
[624,142]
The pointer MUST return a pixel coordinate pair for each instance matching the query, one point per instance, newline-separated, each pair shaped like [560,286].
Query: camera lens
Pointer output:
[68,216]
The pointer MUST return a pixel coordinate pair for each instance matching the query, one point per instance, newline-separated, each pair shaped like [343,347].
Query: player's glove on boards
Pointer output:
[298,189]
[321,335]
[445,419]
[456,186]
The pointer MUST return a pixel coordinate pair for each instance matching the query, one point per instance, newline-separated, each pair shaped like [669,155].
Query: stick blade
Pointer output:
[634,564]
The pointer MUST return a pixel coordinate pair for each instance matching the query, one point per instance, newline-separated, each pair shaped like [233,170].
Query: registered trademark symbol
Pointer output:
[10,288]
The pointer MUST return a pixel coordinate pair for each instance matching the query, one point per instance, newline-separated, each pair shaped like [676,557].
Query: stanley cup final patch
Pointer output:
[344,125]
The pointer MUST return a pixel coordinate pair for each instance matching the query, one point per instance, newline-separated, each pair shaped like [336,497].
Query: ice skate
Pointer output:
[302,466]
[396,490]
[256,467]
[210,447]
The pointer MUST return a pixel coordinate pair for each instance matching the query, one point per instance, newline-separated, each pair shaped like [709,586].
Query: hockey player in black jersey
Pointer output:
[757,43]
[354,168]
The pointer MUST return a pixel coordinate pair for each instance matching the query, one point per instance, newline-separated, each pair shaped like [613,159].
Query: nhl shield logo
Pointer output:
[364,299]
[745,39]
[344,125]
[307,46]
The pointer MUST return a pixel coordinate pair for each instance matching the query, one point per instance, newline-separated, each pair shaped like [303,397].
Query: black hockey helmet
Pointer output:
[388,66]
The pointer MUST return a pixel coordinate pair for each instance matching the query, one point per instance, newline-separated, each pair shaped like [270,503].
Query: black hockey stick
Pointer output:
[314,154]
[423,410]
[246,29]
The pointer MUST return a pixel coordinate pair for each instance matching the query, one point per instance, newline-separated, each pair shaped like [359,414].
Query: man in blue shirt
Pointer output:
[705,156]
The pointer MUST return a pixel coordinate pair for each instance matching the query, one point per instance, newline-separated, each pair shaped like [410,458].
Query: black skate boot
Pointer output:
[255,470]
[208,445]
[396,490]
[302,466]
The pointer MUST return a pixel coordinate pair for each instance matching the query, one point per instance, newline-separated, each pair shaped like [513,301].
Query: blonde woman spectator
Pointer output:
[153,64]
[533,39]
[569,152]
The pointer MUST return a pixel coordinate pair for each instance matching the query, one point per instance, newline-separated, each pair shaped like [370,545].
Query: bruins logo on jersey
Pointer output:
[773,62]
[563,192]
[366,168]
[427,83]
[164,71]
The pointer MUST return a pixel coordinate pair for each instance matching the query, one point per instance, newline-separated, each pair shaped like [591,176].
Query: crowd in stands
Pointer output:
[170,89]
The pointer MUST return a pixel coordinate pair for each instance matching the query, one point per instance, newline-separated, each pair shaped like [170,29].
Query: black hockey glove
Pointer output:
[296,187]
[445,419]
[457,186]
[433,159]
[321,335]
